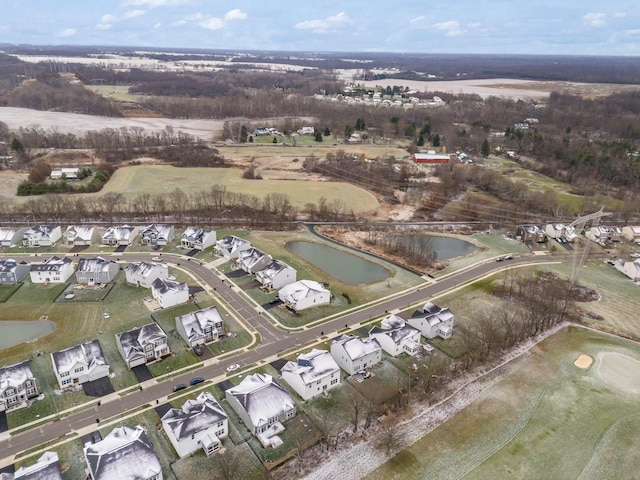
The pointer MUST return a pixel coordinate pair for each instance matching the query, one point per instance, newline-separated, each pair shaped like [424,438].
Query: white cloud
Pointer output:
[325,25]
[419,19]
[235,14]
[450,28]
[194,17]
[132,14]
[619,15]
[212,23]
[594,19]
[67,32]
[103,26]
[155,3]
[178,23]
[108,18]
[157,26]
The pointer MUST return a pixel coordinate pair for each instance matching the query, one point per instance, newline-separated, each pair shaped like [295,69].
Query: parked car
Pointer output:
[157,259]
[197,350]
[233,367]
[499,259]
[508,257]
[180,386]
[196,380]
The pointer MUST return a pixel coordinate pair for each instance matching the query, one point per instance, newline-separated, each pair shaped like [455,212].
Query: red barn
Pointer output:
[431,158]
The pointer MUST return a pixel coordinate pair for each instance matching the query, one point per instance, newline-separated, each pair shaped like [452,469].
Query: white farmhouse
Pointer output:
[252,260]
[121,235]
[53,270]
[355,353]
[17,386]
[314,373]
[262,404]
[142,345]
[630,233]
[304,294]
[198,238]
[47,467]
[143,274]
[124,454]
[230,246]
[276,274]
[79,364]
[200,327]
[396,336]
[169,293]
[200,423]
[11,236]
[96,270]
[79,235]
[433,321]
[157,234]
[42,236]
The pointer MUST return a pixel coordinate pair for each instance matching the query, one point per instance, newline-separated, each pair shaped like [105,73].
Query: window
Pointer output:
[78,370]
[64,374]
[31,391]
[334,381]
[220,423]
[220,433]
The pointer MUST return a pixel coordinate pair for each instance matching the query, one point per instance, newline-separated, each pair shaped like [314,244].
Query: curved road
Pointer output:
[273,342]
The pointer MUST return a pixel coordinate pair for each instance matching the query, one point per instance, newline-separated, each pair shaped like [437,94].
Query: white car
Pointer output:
[157,259]
[233,367]
[635,255]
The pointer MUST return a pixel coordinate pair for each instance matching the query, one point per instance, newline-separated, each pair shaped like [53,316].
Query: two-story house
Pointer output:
[304,294]
[355,353]
[396,336]
[230,246]
[200,423]
[200,327]
[120,235]
[17,386]
[142,345]
[10,236]
[312,374]
[96,270]
[53,270]
[195,238]
[79,364]
[157,234]
[252,260]
[169,293]
[433,321]
[80,235]
[276,274]
[41,236]
[47,467]
[12,272]
[143,274]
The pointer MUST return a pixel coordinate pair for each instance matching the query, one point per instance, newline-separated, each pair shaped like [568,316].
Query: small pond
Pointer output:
[443,248]
[347,268]
[15,332]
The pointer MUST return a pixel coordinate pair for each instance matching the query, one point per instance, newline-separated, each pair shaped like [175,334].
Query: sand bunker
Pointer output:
[583,361]
[620,371]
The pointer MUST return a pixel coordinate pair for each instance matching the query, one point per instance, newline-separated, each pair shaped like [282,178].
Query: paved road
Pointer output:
[273,342]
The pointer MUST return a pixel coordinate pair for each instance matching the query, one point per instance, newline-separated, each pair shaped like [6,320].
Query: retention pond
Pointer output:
[15,332]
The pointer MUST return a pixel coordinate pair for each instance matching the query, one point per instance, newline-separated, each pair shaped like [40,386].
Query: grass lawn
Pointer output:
[7,290]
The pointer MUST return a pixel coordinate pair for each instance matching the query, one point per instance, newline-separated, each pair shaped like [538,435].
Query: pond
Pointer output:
[15,332]
[346,267]
[443,248]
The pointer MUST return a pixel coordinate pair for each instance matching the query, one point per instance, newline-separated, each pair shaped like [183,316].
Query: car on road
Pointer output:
[196,380]
[635,255]
[508,257]
[197,350]
[233,367]
[499,259]
[180,386]
[157,259]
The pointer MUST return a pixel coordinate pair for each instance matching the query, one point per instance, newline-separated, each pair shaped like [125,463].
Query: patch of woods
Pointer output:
[38,182]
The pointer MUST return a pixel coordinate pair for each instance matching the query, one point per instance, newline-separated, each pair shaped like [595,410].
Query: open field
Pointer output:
[543,414]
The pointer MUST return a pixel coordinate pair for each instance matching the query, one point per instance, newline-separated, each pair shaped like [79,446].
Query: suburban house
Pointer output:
[11,236]
[143,274]
[431,158]
[230,246]
[169,293]
[142,345]
[252,260]
[156,234]
[53,270]
[603,234]
[314,373]
[354,353]
[41,236]
[630,269]
[17,386]
[47,467]
[276,274]
[433,321]
[200,327]
[262,404]
[304,294]
[124,454]
[12,272]
[200,423]
[630,233]
[306,131]
[122,235]
[396,336]
[198,238]
[96,270]
[530,233]
[560,232]
[80,235]
[68,173]
[79,364]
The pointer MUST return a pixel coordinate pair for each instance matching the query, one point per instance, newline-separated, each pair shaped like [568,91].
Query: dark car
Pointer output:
[197,350]
[180,386]
[196,380]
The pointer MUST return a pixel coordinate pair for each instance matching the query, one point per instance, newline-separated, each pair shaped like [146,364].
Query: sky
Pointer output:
[568,27]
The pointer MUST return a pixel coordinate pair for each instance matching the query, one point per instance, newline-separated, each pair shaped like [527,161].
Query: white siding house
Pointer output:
[156,234]
[124,454]
[11,236]
[169,293]
[304,294]
[198,238]
[143,274]
[276,275]
[142,345]
[630,233]
[53,270]
[396,336]
[252,260]
[17,386]
[433,321]
[122,235]
[603,234]
[79,235]
[355,353]
[314,373]
[262,404]
[230,246]
[630,269]
[96,270]
[41,236]
[79,364]
[200,327]
[12,272]
[558,231]
[200,423]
